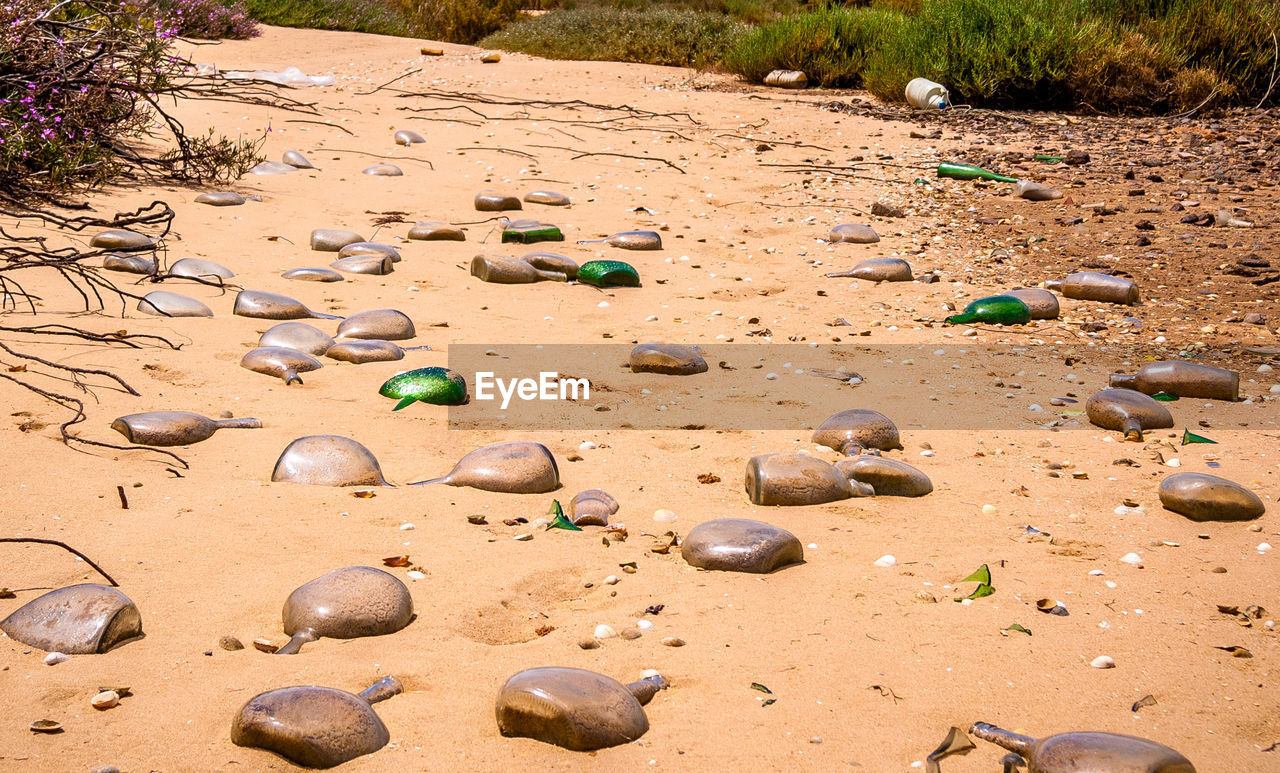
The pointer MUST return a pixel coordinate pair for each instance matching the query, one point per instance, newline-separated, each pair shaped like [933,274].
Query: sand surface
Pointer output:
[864,675]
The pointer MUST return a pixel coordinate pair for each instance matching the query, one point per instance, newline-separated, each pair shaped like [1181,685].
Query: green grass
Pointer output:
[657,35]
[1114,55]
[348,15]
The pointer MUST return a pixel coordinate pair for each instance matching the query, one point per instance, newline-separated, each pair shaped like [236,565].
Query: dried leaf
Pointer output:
[708,477]
[1019,629]
[543,630]
[761,688]
[476,520]
[768,702]
[1236,652]
[5,593]
[395,561]
[46,726]
[1146,700]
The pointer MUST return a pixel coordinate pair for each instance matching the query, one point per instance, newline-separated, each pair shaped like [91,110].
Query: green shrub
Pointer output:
[460,21]
[830,45]
[665,36]
[348,15]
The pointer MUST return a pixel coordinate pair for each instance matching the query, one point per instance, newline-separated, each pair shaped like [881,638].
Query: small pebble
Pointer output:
[407,527]
[230,643]
[988,509]
[54,658]
[604,632]
[589,644]
[1103,661]
[644,625]
[664,515]
[673,641]
[587,445]
[1131,558]
[415,575]
[886,561]
[612,579]
[630,634]
[523,536]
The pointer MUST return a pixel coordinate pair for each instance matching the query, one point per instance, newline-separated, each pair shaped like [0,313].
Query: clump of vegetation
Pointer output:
[379,18]
[657,35]
[207,19]
[830,45]
[1137,55]
[81,92]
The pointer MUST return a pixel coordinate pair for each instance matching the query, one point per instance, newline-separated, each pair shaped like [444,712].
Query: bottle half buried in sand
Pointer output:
[530,232]
[77,620]
[550,261]
[740,545]
[360,352]
[852,431]
[853,233]
[1041,303]
[162,303]
[378,324]
[281,362]
[520,467]
[924,94]
[792,479]
[433,385]
[1127,411]
[575,709]
[260,304]
[993,310]
[593,507]
[970,172]
[1203,497]
[1093,286]
[1032,191]
[492,201]
[787,79]
[667,359]
[333,239]
[608,273]
[1184,379]
[328,460]
[175,428]
[315,727]
[297,335]
[878,270]
[500,269]
[346,603]
[886,477]
[1085,752]
[630,240]
[437,232]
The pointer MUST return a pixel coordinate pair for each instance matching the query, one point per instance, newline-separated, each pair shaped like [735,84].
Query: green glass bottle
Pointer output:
[530,232]
[968,172]
[994,310]
[608,273]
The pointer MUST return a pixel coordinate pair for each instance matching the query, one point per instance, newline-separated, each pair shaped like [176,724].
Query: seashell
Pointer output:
[107,699]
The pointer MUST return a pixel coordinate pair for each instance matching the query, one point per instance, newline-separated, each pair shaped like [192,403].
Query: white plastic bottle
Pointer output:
[925,94]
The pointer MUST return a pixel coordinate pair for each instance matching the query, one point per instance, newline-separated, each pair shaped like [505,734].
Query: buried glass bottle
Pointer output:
[970,172]
[994,310]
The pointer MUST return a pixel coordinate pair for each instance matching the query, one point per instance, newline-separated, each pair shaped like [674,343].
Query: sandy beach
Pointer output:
[865,674]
